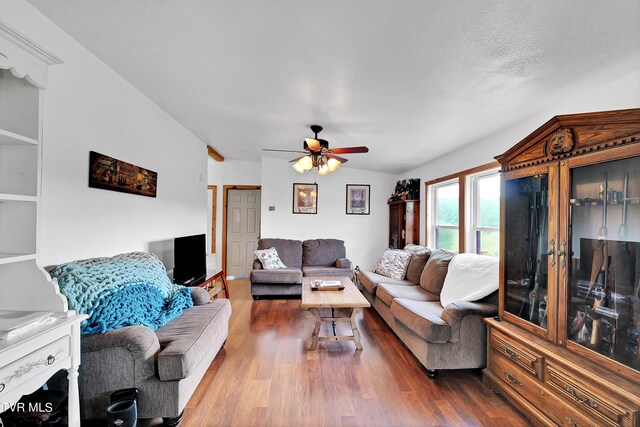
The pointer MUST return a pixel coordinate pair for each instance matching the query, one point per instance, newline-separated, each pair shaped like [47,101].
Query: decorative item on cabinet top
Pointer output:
[406,189]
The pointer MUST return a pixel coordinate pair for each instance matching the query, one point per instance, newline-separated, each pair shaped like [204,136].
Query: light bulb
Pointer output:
[323,169]
[306,163]
[298,167]
[333,164]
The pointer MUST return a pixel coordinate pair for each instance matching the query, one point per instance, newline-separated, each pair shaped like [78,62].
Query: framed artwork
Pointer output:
[108,173]
[358,202]
[305,198]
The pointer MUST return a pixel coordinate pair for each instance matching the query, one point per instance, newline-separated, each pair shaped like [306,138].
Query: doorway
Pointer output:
[240,228]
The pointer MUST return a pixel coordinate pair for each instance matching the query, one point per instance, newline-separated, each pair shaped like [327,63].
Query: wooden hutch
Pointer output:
[565,346]
[404,223]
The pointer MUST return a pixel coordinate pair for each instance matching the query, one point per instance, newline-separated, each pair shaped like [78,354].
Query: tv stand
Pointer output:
[210,281]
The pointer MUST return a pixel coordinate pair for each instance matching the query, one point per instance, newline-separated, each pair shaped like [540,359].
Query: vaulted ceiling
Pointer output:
[411,79]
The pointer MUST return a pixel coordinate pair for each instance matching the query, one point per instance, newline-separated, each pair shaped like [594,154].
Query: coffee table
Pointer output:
[342,306]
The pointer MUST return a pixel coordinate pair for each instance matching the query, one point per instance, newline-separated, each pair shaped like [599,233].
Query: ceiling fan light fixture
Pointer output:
[333,164]
[306,163]
[298,167]
[323,169]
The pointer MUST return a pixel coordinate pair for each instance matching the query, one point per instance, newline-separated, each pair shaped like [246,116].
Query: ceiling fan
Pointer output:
[318,154]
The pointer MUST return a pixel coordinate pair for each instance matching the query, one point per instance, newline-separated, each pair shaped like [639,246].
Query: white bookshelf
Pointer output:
[24,286]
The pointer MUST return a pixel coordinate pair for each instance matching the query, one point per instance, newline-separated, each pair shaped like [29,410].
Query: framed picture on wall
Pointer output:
[305,198]
[358,202]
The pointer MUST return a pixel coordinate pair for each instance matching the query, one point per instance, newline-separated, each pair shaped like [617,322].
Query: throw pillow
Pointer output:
[470,278]
[432,277]
[269,259]
[419,257]
[393,264]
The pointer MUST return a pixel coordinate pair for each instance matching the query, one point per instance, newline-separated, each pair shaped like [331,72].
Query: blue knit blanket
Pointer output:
[125,290]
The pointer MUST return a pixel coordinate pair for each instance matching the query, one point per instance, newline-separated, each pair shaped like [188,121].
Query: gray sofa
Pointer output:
[451,337]
[166,366]
[311,258]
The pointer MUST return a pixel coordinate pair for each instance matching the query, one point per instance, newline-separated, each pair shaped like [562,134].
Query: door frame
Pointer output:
[214,219]
[225,194]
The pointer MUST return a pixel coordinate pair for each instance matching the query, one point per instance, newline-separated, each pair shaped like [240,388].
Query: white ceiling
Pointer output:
[411,79]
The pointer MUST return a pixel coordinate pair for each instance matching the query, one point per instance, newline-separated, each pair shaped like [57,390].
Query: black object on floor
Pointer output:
[123,410]
[40,408]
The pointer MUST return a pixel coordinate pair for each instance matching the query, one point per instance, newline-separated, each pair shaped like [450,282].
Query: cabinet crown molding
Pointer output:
[24,57]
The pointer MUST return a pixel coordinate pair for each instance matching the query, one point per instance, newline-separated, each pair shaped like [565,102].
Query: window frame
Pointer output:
[463,203]
[473,212]
[433,226]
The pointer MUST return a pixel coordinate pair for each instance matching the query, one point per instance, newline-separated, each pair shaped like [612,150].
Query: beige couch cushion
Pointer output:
[387,292]
[282,275]
[423,318]
[432,277]
[419,258]
[371,280]
[185,340]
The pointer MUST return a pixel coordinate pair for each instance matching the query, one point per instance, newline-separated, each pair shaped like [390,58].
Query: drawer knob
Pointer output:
[50,360]
[2,386]
[579,397]
[512,354]
[571,422]
[511,378]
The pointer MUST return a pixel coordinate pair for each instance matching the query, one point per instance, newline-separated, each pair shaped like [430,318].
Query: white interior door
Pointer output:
[243,230]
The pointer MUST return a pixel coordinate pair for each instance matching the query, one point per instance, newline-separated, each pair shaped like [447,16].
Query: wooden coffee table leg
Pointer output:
[354,328]
[313,342]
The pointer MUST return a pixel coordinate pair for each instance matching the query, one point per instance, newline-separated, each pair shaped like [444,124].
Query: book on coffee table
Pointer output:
[327,285]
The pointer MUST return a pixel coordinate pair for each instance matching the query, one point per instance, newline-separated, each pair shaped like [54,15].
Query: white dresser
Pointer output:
[28,360]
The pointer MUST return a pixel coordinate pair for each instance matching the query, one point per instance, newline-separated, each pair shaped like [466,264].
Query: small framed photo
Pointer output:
[305,198]
[358,202]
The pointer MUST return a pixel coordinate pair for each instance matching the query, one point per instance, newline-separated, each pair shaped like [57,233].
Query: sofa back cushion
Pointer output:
[289,251]
[322,252]
[470,278]
[434,272]
[419,258]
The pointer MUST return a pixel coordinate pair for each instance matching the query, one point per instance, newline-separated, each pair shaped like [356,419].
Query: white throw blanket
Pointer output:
[470,278]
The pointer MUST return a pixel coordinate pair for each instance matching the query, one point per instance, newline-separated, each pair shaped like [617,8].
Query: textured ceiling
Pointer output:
[410,79]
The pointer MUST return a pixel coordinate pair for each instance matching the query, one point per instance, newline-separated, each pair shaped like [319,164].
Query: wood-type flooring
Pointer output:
[265,377]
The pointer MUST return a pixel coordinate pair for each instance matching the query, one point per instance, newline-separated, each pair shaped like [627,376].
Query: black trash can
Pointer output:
[123,411]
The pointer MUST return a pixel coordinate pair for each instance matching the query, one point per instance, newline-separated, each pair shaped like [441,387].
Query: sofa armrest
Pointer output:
[456,312]
[343,263]
[257,265]
[200,296]
[135,347]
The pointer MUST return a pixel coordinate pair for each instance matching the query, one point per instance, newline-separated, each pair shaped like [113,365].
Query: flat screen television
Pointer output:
[189,260]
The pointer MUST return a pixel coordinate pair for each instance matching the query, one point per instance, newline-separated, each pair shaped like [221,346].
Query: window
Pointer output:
[484,213]
[463,211]
[445,215]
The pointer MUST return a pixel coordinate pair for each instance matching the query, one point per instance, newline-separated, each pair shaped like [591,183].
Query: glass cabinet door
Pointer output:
[603,312]
[527,242]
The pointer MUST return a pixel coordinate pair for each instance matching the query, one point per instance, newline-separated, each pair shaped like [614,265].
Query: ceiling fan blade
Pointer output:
[284,151]
[349,150]
[296,159]
[341,159]
[313,144]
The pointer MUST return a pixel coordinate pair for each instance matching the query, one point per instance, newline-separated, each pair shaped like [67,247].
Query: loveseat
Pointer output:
[443,333]
[311,258]
[165,365]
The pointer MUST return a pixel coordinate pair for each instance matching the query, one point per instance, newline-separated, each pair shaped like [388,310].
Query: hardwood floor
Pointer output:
[265,377]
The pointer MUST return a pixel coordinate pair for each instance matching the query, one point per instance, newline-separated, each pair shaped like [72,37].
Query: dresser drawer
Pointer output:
[530,361]
[21,370]
[537,394]
[578,394]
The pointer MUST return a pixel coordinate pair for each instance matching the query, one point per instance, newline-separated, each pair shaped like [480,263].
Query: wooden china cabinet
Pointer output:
[565,347]
[404,223]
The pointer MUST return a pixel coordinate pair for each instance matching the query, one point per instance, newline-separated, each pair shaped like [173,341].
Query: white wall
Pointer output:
[90,107]
[618,94]
[365,236]
[229,172]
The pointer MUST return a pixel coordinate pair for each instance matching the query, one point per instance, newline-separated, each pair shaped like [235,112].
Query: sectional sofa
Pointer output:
[311,258]
[452,336]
